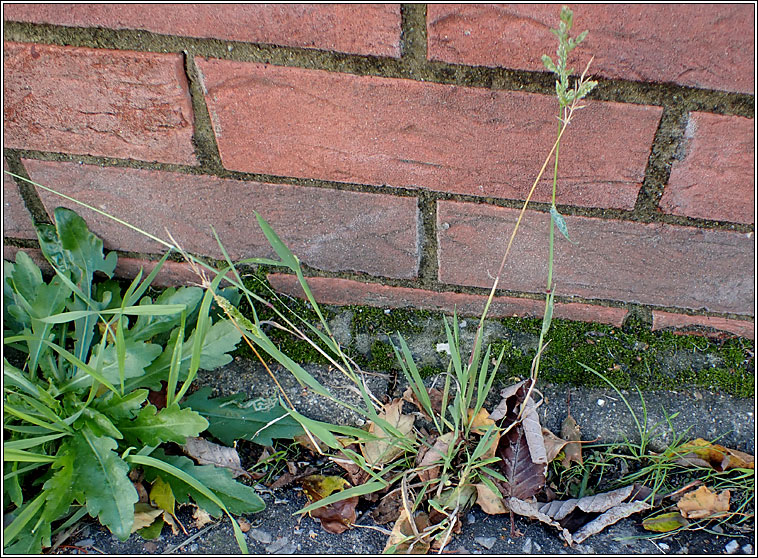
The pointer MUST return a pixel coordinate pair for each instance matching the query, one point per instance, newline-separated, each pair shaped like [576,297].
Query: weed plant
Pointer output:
[76,417]
[435,474]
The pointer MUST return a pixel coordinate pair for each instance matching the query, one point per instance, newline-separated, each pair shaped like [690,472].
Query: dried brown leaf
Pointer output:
[402,539]
[388,509]
[702,503]
[441,445]
[573,450]
[385,448]
[144,498]
[718,457]
[335,517]
[208,453]
[553,444]
[490,502]
[435,400]
[144,515]
[521,447]
[355,474]
[201,517]
[578,519]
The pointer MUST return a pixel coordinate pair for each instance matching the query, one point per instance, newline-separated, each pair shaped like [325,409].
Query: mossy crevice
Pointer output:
[629,356]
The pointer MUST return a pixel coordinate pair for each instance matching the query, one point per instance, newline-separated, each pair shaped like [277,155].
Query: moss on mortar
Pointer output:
[634,356]
[628,356]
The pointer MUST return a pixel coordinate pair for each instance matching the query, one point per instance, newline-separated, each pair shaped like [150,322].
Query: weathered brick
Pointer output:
[17,221]
[328,229]
[700,45]
[715,177]
[404,133]
[346,292]
[652,263]
[97,102]
[369,29]
[682,323]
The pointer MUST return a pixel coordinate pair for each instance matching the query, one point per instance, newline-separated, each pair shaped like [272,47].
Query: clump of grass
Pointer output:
[608,466]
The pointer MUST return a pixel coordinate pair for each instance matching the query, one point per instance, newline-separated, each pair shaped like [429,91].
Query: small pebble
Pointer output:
[486,542]
[470,518]
[277,545]
[663,546]
[84,542]
[527,548]
[731,547]
[747,549]
[718,529]
[191,548]
[259,535]
[601,402]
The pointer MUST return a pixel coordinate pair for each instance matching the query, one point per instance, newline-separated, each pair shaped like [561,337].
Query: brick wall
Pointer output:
[392,145]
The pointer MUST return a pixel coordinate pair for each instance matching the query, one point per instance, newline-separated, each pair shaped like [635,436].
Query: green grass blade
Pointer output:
[23,518]
[10,454]
[176,362]
[27,443]
[359,490]
[132,298]
[70,358]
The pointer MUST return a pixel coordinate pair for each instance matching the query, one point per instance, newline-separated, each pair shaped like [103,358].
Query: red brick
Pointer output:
[396,132]
[97,102]
[652,263]
[369,29]
[701,45]
[172,274]
[682,323]
[328,229]
[715,179]
[345,291]
[17,222]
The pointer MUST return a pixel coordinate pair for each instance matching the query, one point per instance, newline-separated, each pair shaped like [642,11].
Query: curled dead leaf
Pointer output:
[573,450]
[403,539]
[387,447]
[337,516]
[553,444]
[388,509]
[201,517]
[578,519]
[144,516]
[435,400]
[703,503]
[521,448]
[428,470]
[700,452]
[208,453]
[490,502]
